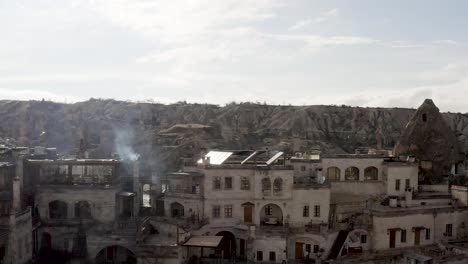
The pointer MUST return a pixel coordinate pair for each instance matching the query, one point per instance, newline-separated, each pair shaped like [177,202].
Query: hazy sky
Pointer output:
[365,53]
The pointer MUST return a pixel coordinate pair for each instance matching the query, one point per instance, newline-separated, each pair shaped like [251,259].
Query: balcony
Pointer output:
[184,193]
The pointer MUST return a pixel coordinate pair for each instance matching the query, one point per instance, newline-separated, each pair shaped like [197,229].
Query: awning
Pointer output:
[126,194]
[204,241]
[418,257]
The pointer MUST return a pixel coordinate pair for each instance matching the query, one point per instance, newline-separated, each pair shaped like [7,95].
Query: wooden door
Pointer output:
[392,238]
[417,233]
[248,214]
[242,248]
[299,250]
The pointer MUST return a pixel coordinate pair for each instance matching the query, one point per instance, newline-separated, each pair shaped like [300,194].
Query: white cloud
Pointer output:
[324,16]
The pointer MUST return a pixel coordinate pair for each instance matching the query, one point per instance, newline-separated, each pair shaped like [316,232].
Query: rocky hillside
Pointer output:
[161,134]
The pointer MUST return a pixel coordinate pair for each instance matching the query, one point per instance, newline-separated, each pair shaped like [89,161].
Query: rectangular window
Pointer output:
[245,183]
[428,234]
[317,211]
[228,183]
[397,185]
[216,211]
[403,236]
[228,211]
[272,256]
[407,183]
[308,248]
[448,230]
[305,212]
[259,255]
[363,239]
[268,210]
[217,183]
[316,248]
[303,168]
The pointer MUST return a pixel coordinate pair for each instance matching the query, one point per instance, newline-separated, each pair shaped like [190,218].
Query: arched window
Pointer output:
[352,174]
[82,209]
[333,174]
[245,183]
[177,209]
[277,186]
[371,174]
[58,210]
[266,186]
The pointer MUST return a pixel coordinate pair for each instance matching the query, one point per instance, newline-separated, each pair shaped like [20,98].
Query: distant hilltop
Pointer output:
[162,134]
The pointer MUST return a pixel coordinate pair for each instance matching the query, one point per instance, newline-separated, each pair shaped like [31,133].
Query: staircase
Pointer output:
[336,248]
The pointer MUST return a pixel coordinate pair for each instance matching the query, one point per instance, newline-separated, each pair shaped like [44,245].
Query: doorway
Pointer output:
[392,238]
[248,214]
[417,233]
[299,251]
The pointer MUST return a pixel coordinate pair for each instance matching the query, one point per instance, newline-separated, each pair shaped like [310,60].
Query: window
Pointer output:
[303,168]
[333,174]
[352,174]
[266,186]
[397,185]
[245,183]
[278,186]
[217,183]
[403,236]
[58,210]
[316,248]
[424,117]
[259,255]
[371,174]
[305,212]
[228,183]
[448,230]
[317,211]
[268,210]
[428,234]
[363,239]
[308,248]
[228,211]
[407,184]
[216,211]
[272,256]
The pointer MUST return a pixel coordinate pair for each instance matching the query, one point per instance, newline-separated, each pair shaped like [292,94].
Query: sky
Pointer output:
[360,53]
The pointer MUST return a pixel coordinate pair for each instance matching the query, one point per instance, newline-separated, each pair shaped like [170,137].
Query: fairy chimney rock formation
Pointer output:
[428,137]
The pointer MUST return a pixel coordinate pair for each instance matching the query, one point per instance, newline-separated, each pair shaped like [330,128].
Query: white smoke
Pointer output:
[123,144]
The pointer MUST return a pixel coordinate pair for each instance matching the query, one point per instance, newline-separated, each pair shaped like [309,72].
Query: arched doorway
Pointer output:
[115,254]
[82,209]
[227,246]
[177,209]
[271,214]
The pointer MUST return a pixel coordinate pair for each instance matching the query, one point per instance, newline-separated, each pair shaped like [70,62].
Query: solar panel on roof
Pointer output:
[217,157]
[275,157]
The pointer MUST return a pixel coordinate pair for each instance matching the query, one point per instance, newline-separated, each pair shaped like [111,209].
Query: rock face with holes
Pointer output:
[430,139]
